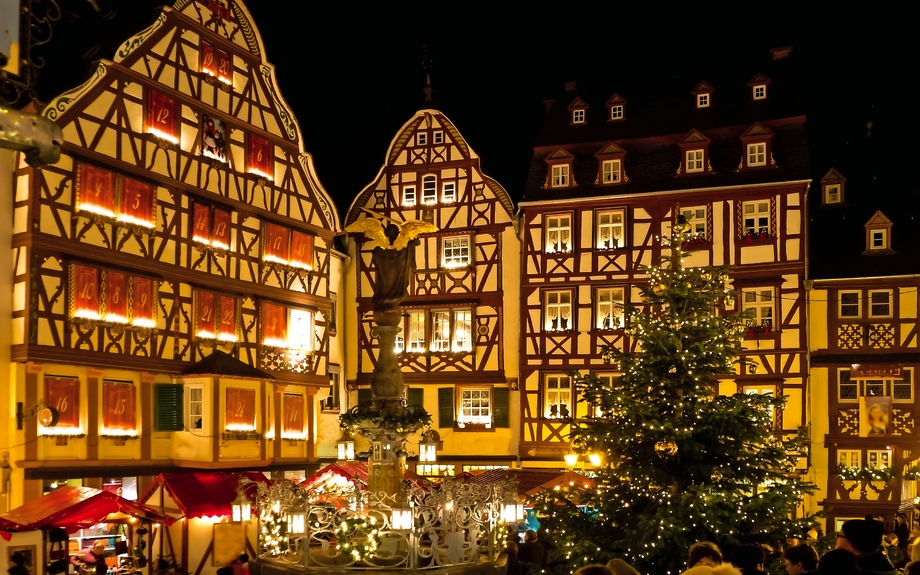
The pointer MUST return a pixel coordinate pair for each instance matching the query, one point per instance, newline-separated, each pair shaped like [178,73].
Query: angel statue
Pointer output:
[393,257]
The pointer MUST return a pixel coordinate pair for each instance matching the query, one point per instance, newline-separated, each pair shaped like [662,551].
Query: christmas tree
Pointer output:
[681,462]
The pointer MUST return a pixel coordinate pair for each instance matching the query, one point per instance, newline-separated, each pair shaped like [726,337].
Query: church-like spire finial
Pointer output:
[427,66]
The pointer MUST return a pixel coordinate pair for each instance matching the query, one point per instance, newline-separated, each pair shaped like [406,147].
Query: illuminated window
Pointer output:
[610,229]
[414,327]
[702,100]
[557,397]
[616,112]
[449,192]
[211,226]
[560,177]
[849,458]
[557,311]
[756,217]
[900,388]
[475,407]
[208,59]
[694,161]
[696,218]
[578,116]
[408,196]
[287,328]
[878,239]
[111,195]
[880,303]
[558,233]
[757,154]
[849,304]
[455,252]
[832,194]
[240,409]
[429,190]
[216,316]
[119,407]
[760,302]
[292,408]
[63,394]
[333,400]
[287,247]
[451,330]
[161,117]
[434,470]
[194,407]
[760,91]
[878,459]
[112,297]
[261,157]
[610,306]
[611,171]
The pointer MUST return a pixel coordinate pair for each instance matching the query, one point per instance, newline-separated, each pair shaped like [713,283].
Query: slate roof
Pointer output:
[660,112]
[220,363]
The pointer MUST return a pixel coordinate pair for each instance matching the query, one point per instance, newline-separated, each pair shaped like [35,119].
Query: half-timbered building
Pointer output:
[863,306]
[172,293]
[458,347]
[610,172]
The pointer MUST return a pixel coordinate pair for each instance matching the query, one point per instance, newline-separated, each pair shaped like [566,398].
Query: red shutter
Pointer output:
[207,59]
[118,402]
[86,292]
[136,203]
[302,250]
[201,216]
[241,409]
[224,70]
[293,416]
[64,395]
[116,297]
[260,157]
[161,116]
[274,324]
[97,191]
[277,242]
[220,229]
[143,302]
[227,329]
[206,315]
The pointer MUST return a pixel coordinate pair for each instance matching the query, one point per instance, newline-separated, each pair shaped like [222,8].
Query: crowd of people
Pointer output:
[862,548]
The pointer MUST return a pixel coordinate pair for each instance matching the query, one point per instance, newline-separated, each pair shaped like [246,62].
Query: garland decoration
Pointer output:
[359,537]
[864,473]
[407,419]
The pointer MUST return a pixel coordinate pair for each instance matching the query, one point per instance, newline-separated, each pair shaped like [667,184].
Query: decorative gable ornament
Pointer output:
[757,148]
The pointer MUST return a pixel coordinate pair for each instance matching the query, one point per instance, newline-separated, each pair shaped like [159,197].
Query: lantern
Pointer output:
[241,507]
[401,519]
[571,459]
[512,509]
[346,448]
[595,459]
[427,449]
[297,521]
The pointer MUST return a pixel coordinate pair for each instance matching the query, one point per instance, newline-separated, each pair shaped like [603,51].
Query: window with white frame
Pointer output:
[440,332]
[751,390]
[760,91]
[847,389]
[455,252]
[880,303]
[414,328]
[760,302]
[878,239]
[408,196]
[449,192]
[438,137]
[557,397]
[611,171]
[702,100]
[756,217]
[610,229]
[558,233]
[452,330]
[475,407]
[694,161]
[610,306]
[616,112]
[832,194]
[421,139]
[757,154]
[878,458]
[849,458]
[696,219]
[462,340]
[194,407]
[560,177]
[578,116]
[849,304]
[558,311]
[429,190]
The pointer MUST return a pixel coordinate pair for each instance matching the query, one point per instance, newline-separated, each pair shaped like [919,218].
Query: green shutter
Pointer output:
[445,407]
[415,397]
[500,407]
[167,411]
[364,396]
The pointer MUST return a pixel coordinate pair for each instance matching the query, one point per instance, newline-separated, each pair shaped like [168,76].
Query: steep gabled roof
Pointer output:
[224,365]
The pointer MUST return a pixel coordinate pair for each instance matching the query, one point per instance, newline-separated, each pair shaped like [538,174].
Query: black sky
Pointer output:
[353,73]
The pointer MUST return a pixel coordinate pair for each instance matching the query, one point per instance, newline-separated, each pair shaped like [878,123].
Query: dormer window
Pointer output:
[578,108]
[757,147]
[757,154]
[878,234]
[758,85]
[694,161]
[703,94]
[559,172]
[832,188]
[616,112]
[610,170]
[617,106]
[694,154]
[610,165]
[560,176]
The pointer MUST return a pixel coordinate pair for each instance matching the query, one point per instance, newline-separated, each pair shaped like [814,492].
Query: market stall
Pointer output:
[68,523]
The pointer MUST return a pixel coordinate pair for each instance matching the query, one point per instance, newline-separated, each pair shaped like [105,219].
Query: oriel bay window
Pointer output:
[610,307]
[110,195]
[216,316]
[558,233]
[211,226]
[112,297]
[557,313]
[287,328]
[287,247]
[118,408]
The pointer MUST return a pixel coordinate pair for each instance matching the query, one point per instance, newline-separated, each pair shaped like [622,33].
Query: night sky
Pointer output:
[353,75]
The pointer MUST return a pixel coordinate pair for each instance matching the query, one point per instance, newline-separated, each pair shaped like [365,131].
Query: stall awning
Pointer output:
[205,494]
[532,481]
[76,508]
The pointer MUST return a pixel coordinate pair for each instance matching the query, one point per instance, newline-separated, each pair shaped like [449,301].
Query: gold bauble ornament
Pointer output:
[665,448]
[659,289]
[688,284]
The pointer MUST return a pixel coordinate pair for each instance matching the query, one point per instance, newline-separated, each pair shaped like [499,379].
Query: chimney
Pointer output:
[780,53]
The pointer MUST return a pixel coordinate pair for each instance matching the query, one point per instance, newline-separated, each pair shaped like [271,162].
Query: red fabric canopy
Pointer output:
[75,508]
[205,494]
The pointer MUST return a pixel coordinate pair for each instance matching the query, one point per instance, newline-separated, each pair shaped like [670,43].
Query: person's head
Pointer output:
[704,551]
[593,570]
[749,556]
[619,567]
[912,568]
[531,535]
[98,548]
[18,558]
[860,536]
[838,562]
[800,559]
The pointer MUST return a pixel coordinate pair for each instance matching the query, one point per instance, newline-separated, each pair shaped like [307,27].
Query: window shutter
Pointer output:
[501,407]
[168,407]
[364,396]
[415,397]
[445,407]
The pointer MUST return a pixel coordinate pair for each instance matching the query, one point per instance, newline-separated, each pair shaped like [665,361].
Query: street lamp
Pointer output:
[571,459]
[512,509]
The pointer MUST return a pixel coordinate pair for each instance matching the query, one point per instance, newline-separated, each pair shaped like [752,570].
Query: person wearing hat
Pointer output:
[863,538]
[619,567]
